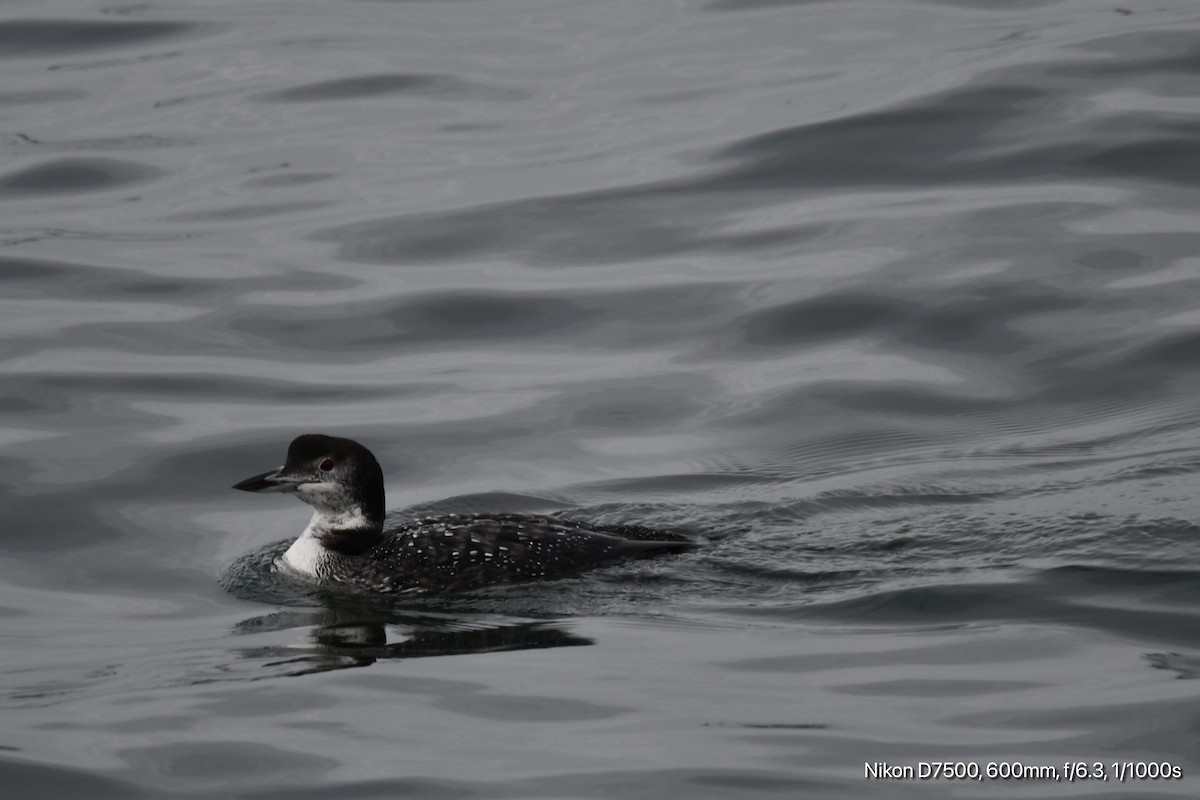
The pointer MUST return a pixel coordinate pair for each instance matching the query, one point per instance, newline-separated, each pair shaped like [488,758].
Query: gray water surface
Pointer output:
[894,306]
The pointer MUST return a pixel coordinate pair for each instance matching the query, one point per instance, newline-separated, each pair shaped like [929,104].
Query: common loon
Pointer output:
[346,542]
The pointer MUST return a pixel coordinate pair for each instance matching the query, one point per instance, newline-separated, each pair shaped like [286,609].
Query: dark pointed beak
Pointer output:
[272,481]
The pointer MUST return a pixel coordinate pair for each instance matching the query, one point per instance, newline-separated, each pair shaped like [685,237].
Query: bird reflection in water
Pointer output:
[355,631]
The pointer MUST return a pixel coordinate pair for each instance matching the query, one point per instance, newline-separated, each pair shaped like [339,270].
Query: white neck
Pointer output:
[308,555]
[325,521]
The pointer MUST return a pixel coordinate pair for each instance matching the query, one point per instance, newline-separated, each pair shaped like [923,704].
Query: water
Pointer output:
[892,305]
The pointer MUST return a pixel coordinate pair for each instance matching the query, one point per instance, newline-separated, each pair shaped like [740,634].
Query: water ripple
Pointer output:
[891,305]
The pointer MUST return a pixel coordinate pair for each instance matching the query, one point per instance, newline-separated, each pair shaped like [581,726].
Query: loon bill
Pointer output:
[347,544]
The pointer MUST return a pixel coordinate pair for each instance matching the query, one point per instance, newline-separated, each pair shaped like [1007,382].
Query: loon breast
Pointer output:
[306,556]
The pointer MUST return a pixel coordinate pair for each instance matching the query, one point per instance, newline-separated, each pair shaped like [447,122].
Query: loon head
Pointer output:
[338,477]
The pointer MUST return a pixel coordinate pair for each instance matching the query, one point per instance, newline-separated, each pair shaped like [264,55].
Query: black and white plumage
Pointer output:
[346,542]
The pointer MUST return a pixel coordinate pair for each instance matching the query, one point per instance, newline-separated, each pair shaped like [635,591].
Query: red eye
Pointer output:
[327,465]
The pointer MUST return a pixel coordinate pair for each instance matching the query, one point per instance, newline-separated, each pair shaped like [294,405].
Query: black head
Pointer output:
[331,474]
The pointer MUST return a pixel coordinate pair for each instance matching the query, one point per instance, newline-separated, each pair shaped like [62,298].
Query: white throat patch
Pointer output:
[308,555]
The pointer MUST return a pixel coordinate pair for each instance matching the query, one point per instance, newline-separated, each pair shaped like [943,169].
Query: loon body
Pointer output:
[347,543]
